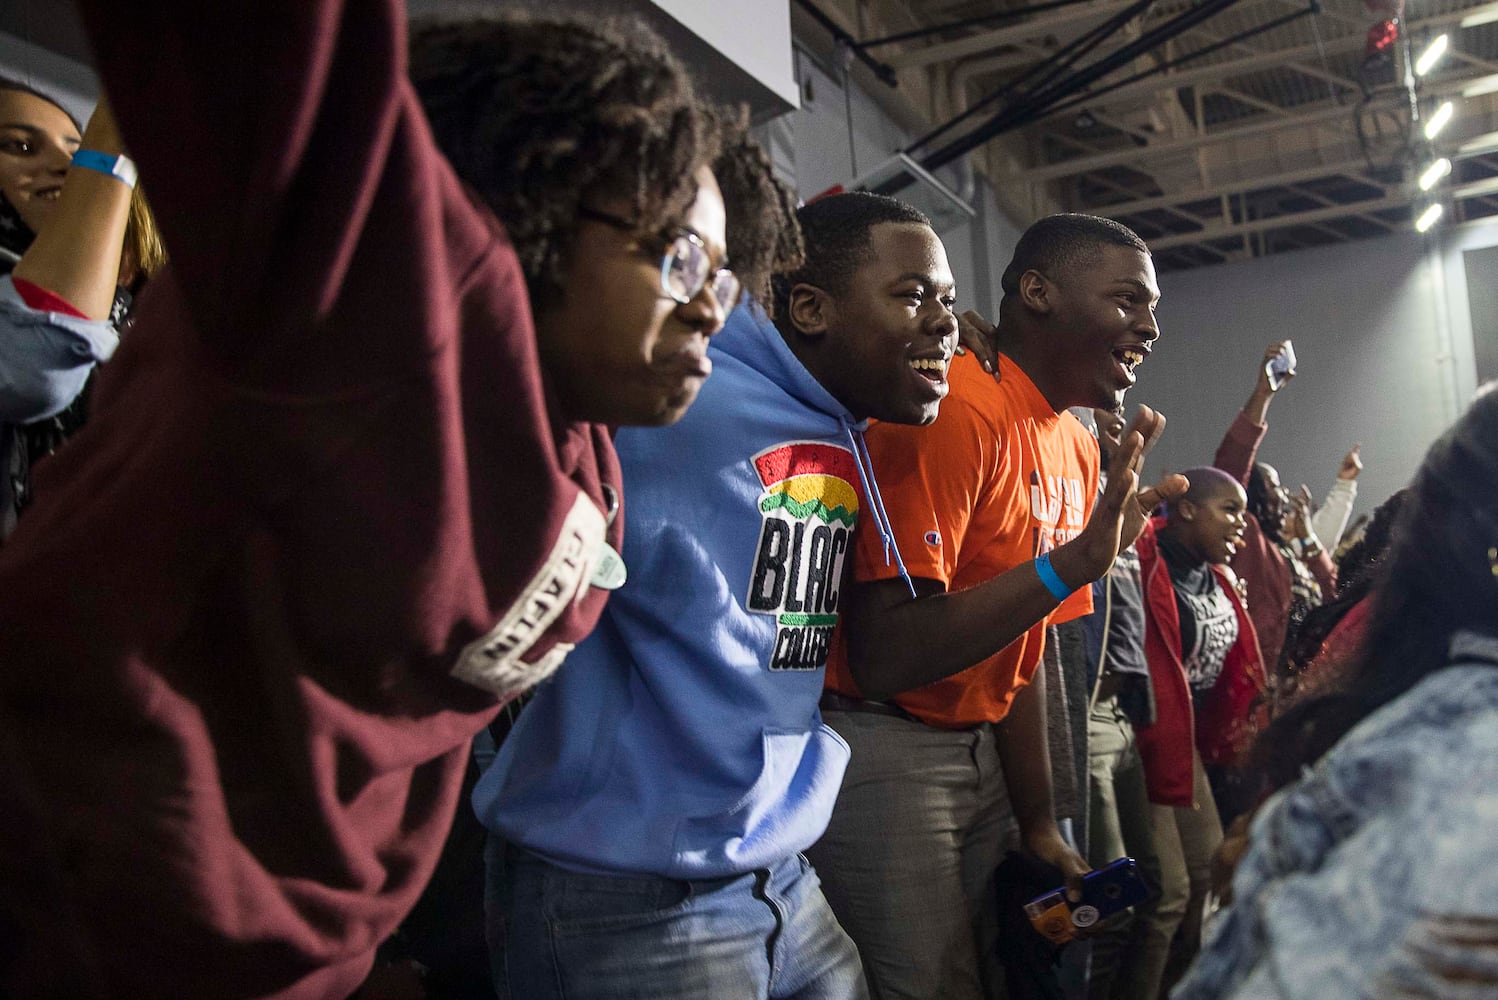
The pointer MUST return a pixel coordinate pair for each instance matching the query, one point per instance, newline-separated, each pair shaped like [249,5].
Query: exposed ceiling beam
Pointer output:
[1346,168]
[1218,72]
[1083,164]
[1279,222]
[1449,86]
[1299,67]
[1476,189]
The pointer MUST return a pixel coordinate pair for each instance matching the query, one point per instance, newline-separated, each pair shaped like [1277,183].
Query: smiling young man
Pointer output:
[657,856]
[1207,675]
[938,694]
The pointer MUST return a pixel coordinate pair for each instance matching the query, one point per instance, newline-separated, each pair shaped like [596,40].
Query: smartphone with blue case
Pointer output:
[1105,891]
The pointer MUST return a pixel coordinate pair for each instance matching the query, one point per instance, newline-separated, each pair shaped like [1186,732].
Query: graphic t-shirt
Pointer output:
[1209,624]
[999,478]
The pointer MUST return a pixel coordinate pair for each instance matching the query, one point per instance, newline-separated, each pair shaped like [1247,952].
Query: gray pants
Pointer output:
[1118,826]
[1185,840]
[908,860]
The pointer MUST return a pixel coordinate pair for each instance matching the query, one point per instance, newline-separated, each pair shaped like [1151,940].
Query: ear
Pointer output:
[811,310]
[1186,509]
[1035,292]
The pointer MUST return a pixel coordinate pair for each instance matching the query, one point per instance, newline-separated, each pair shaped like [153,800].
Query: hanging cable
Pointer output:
[998,17]
[1062,59]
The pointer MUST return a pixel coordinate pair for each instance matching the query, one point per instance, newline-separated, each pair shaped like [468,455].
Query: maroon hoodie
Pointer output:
[324,480]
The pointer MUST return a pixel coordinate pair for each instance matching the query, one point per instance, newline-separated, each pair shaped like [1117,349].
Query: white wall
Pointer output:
[1382,334]
[755,36]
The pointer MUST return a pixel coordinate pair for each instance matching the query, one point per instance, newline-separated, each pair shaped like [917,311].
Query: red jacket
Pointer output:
[323,474]
[1233,712]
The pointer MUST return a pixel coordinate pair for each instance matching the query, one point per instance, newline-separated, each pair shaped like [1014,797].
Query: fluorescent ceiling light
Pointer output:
[1481,15]
[1439,119]
[1427,218]
[1434,173]
[1483,84]
[1478,144]
[1433,52]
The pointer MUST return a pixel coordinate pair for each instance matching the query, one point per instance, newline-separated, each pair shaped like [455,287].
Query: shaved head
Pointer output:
[1206,484]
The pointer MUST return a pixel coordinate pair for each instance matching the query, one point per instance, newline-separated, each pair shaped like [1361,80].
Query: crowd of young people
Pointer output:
[492,361]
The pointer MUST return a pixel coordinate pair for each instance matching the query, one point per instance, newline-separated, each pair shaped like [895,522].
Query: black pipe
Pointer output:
[1063,58]
[1037,105]
[1179,61]
[883,71]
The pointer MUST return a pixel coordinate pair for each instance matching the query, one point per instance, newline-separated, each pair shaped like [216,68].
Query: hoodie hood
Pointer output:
[750,337]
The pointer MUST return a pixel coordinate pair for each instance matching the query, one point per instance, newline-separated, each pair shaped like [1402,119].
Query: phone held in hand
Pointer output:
[1108,890]
[1280,367]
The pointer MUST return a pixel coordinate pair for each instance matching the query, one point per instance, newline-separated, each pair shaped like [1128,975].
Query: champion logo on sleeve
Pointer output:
[933,539]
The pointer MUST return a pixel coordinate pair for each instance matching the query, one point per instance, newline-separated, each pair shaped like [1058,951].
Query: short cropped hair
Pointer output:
[540,116]
[1206,483]
[1058,242]
[838,233]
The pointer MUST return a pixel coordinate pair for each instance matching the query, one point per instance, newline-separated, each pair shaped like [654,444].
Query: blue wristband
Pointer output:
[120,167]
[1048,576]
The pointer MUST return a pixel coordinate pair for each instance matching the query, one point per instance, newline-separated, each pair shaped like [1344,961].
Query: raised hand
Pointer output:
[1352,464]
[1123,510]
[1297,523]
[1271,354]
[976,334]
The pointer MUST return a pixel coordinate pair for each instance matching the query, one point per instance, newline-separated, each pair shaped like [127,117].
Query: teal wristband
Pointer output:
[1048,576]
[120,167]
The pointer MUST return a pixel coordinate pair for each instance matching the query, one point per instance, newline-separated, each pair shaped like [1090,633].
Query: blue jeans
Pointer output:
[555,934]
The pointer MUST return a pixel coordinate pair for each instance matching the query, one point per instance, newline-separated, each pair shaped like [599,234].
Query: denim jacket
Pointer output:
[1376,874]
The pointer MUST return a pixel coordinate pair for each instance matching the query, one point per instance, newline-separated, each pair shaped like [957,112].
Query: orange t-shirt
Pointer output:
[998,479]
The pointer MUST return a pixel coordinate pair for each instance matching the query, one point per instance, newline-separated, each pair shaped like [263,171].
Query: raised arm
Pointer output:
[76,256]
[1312,551]
[1240,446]
[1331,520]
[265,130]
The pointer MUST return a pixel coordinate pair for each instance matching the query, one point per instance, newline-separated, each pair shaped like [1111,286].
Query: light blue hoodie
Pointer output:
[682,738]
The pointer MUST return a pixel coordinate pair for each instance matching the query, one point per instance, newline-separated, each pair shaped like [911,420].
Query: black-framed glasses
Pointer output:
[686,266]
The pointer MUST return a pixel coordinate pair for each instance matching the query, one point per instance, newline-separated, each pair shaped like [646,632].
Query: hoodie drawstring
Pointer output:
[881,517]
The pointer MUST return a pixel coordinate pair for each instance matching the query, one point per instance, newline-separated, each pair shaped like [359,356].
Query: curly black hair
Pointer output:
[541,116]
[764,237]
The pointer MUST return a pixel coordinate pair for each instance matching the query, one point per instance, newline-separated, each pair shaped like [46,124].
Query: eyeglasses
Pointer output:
[686,266]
